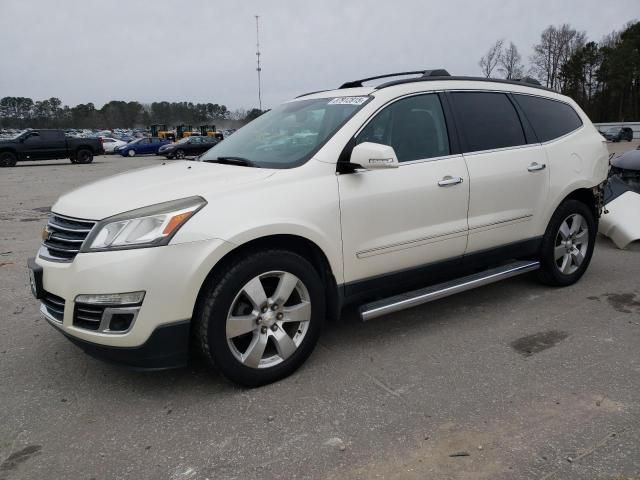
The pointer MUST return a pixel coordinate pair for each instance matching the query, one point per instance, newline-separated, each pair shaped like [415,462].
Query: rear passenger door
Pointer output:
[509,180]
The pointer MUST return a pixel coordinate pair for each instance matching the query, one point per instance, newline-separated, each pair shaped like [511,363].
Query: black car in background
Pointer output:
[190,146]
[616,134]
[48,144]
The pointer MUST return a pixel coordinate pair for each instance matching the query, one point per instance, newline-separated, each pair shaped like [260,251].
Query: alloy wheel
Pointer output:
[268,319]
[572,243]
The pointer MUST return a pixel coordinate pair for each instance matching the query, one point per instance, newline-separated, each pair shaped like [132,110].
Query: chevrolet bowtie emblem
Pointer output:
[46,234]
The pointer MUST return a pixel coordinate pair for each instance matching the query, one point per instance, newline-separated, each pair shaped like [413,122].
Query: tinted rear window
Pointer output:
[488,120]
[549,118]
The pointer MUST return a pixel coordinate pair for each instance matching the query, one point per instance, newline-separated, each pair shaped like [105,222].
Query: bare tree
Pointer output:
[490,60]
[511,62]
[556,46]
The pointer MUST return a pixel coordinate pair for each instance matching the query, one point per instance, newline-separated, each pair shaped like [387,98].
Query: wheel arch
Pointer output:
[291,242]
[586,196]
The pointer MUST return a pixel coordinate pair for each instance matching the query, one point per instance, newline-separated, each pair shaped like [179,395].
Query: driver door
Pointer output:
[411,216]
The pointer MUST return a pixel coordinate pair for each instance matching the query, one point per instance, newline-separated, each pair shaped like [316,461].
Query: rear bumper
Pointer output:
[167,347]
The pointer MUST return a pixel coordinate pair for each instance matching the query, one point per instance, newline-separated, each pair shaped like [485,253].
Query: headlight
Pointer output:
[145,227]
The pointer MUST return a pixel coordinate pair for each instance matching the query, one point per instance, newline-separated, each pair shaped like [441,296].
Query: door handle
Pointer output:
[449,180]
[535,166]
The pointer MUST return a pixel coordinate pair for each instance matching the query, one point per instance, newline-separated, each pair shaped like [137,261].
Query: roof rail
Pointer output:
[440,72]
[311,93]
[528,82]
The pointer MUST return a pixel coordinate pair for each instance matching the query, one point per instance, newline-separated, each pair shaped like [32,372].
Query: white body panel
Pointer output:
[109,144]
[622,223]
[394,220]
[366,223]
[507,200]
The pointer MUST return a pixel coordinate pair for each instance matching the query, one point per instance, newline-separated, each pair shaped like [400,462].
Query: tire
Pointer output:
[567,245]
[83,155]
[179,154]
[269,343]
[8,159]
[131,153]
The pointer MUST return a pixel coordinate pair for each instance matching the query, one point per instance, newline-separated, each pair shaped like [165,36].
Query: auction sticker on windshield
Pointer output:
[348,101]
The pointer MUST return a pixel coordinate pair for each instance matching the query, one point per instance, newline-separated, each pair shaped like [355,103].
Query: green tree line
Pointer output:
[602,77]
[23,112]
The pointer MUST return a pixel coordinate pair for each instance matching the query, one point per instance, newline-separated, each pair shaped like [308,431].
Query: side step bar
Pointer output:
[429,294]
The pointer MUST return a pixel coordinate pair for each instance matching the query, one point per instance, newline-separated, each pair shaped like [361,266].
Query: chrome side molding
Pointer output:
[429,294]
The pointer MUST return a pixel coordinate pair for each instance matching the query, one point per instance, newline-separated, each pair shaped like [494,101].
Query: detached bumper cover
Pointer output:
[622,222]
[167,347]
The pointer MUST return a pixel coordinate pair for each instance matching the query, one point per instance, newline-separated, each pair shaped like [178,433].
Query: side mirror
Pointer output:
[374,156]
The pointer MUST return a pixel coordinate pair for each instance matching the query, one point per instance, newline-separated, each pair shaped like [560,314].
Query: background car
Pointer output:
[142,146]
[110,144]
[616,134]
[188,147]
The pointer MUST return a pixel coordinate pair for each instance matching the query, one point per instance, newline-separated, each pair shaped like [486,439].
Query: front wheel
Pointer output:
[8,159]
[261,320]
[568,243]
[131,153]
[179,154]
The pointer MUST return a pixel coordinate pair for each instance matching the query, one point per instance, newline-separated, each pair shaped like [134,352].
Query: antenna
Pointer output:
[258,69]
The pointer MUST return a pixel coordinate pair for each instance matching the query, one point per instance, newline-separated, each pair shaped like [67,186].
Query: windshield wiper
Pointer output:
[240,161]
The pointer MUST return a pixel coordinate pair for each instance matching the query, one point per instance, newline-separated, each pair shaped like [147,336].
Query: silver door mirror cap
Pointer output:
[374,156]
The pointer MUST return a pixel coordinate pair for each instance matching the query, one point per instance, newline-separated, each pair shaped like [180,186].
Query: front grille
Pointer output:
[88,316]
[66,236]
[54,306]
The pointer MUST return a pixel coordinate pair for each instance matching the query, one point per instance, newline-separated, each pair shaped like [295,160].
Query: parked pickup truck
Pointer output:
[48,145]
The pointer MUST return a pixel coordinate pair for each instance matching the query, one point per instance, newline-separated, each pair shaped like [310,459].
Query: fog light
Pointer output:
[130,298]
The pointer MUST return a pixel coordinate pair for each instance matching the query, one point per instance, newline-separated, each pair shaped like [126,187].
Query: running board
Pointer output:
[429,294]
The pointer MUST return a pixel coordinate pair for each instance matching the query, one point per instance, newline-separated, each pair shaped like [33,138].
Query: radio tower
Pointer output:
[258,69]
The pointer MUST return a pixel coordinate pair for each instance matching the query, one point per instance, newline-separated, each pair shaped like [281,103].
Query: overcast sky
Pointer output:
[204,50]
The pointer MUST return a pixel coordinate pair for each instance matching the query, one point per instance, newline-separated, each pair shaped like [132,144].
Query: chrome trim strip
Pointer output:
[47,315]
[418,242]
[410,243]
[501,222]
[429,294]
[80,220]
[66,229]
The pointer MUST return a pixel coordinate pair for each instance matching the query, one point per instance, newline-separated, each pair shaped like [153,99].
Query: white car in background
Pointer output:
[111,144]
[385,197]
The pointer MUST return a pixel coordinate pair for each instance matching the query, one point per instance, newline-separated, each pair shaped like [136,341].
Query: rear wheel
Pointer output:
[83,156]
[8,159]
[261,320]
[568,244]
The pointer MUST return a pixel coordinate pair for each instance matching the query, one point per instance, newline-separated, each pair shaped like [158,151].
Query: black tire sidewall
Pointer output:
[219,301]
[549,270]
[79,153]
[8,159]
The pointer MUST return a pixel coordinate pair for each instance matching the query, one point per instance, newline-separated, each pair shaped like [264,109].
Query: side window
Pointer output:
[488,120]
[549,118]
[413,126]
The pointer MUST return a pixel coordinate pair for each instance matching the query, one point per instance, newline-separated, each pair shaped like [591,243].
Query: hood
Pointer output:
[148,186]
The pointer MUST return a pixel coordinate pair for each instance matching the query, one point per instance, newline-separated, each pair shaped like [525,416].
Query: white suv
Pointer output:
[396,194]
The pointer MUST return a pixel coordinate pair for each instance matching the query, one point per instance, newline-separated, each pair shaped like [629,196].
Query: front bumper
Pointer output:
[171,276]
[167,347]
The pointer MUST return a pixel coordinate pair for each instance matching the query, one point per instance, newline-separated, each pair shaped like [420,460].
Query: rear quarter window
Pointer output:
[550,119]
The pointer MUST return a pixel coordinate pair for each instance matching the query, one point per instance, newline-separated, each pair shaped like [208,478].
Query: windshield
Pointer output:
[183,140]
[288,135]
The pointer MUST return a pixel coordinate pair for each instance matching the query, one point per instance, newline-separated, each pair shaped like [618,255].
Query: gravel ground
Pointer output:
[512,380]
